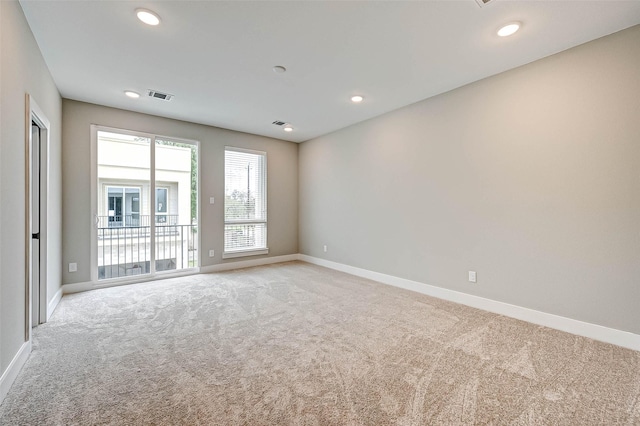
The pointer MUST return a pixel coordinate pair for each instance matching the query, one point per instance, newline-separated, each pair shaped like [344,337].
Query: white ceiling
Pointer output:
[217,57]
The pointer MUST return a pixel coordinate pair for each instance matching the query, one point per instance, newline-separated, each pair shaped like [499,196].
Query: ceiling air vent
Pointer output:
[483,2]
[159,95]
[279,123]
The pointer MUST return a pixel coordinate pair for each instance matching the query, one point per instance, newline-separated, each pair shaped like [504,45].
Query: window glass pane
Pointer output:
[128,204]
[161,200]
[245,237]
[245,202]
[176,230]
[123,173]
[245,195]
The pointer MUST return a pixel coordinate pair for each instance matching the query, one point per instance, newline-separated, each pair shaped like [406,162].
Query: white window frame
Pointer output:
[254,251]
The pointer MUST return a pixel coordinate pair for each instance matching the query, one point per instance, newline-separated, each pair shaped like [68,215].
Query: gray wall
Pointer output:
[23,71]
[531,178]
[282,181]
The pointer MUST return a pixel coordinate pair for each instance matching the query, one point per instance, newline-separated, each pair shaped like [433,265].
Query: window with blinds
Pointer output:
[245,202]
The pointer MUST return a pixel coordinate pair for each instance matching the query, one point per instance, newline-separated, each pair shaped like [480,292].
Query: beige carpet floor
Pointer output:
[297,344]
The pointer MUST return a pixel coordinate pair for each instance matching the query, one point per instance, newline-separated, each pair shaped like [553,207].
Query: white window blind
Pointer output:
[245,200]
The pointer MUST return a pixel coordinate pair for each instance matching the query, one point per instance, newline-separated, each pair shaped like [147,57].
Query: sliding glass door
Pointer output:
[146,193]
[176,205]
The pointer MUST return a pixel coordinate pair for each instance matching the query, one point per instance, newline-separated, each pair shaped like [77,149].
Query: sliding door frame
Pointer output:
[153,274]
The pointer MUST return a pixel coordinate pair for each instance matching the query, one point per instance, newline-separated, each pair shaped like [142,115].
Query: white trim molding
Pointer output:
[53,304]
[580,328]
[89,285]
[133,279]
[10,374]
[77,287]
[249,263]
[34,114]
[244,253]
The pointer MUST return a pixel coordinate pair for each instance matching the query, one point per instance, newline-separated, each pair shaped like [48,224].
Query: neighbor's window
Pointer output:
[245,202]
[123,207]
[161,205]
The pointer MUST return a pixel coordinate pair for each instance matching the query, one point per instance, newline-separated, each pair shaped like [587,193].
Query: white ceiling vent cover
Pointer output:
[159,95]
[482,3]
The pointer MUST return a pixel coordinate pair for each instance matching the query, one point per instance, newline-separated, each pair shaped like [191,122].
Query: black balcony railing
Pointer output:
[124,247]
[135,220]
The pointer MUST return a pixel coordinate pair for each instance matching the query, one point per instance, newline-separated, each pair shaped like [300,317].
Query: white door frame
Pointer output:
[110,282]
[33,113]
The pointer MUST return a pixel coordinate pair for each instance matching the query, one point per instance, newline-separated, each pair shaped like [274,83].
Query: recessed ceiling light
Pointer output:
[132,94]
[279,69]
[509,29]
[147,16]
[356,99]
[288,128]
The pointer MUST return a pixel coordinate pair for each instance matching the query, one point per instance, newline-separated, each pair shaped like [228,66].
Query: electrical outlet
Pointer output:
[73,267]
[472,276]
[212,253]
[324,248]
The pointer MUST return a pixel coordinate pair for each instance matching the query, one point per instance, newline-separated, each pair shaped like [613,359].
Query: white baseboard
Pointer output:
[133,279]
[53,303]
[249,263]
[88,285]
[593,331]
[77,287]
[10,374]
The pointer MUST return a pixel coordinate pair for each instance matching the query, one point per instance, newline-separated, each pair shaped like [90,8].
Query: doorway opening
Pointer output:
[37,161]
